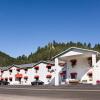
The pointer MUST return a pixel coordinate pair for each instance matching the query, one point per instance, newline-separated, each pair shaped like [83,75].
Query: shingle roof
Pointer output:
[19,66]
[25,65]
[3,68]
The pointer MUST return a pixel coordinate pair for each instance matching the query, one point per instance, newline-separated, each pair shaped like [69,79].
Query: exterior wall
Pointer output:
[7,74]
[42,72]
[81,68]
[30,73]
[96,73]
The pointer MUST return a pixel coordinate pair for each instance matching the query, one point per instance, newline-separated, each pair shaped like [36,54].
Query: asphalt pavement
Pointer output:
[70,92]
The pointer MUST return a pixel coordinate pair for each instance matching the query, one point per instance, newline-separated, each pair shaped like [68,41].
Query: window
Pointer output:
[2,79]
[26,70]
[90,61]
[49,67]
[10,71]
[25,78]
[63,75]
[36,77]
[2,72]
[73,62]
[18,70]
[73,75]
[10,78]
[90,75]
[36,68]
[6,79]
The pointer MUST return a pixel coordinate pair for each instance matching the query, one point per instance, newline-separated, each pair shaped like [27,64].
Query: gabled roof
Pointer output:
[46,62]
[72,48]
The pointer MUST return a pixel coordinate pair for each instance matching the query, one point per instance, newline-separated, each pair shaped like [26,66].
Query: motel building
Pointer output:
[72,66]
[26,73]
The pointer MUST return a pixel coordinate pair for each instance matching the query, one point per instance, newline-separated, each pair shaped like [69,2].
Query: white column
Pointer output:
[94,76]
[94,68]
[93,60]
[57,72]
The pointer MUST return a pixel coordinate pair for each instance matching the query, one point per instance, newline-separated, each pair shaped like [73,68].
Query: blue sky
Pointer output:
[27,24]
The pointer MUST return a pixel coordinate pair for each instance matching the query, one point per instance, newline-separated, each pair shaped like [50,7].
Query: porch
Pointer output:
[77,64]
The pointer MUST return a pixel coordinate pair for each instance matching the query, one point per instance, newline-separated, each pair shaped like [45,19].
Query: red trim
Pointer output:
[49,66]
[37,76]
[61,73]
[1,78]
[36,67]
[90,74]
[62,64]
[25,77]
[98,81]
[48,76]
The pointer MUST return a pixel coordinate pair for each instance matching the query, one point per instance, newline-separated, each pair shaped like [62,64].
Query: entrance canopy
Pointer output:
[76,52]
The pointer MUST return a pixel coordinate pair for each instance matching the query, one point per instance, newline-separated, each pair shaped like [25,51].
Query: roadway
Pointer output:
[71,92]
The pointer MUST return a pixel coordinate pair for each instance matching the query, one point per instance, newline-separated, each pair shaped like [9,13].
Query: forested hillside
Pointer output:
[6,59]
[44,53]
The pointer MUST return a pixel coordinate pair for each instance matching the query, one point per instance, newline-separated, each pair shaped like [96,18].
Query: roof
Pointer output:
[46,62]
[23,66]
[3,68]
[72,48]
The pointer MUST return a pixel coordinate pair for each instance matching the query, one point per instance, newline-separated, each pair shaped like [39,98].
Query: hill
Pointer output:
[53,48]
[6,59]
[44,53]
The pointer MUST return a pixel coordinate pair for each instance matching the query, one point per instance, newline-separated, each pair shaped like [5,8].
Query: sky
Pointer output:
[28,24]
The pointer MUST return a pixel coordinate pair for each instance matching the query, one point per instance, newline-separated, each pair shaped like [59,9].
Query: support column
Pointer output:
[94,76]
[94,68]
[93,60]
[56,72]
